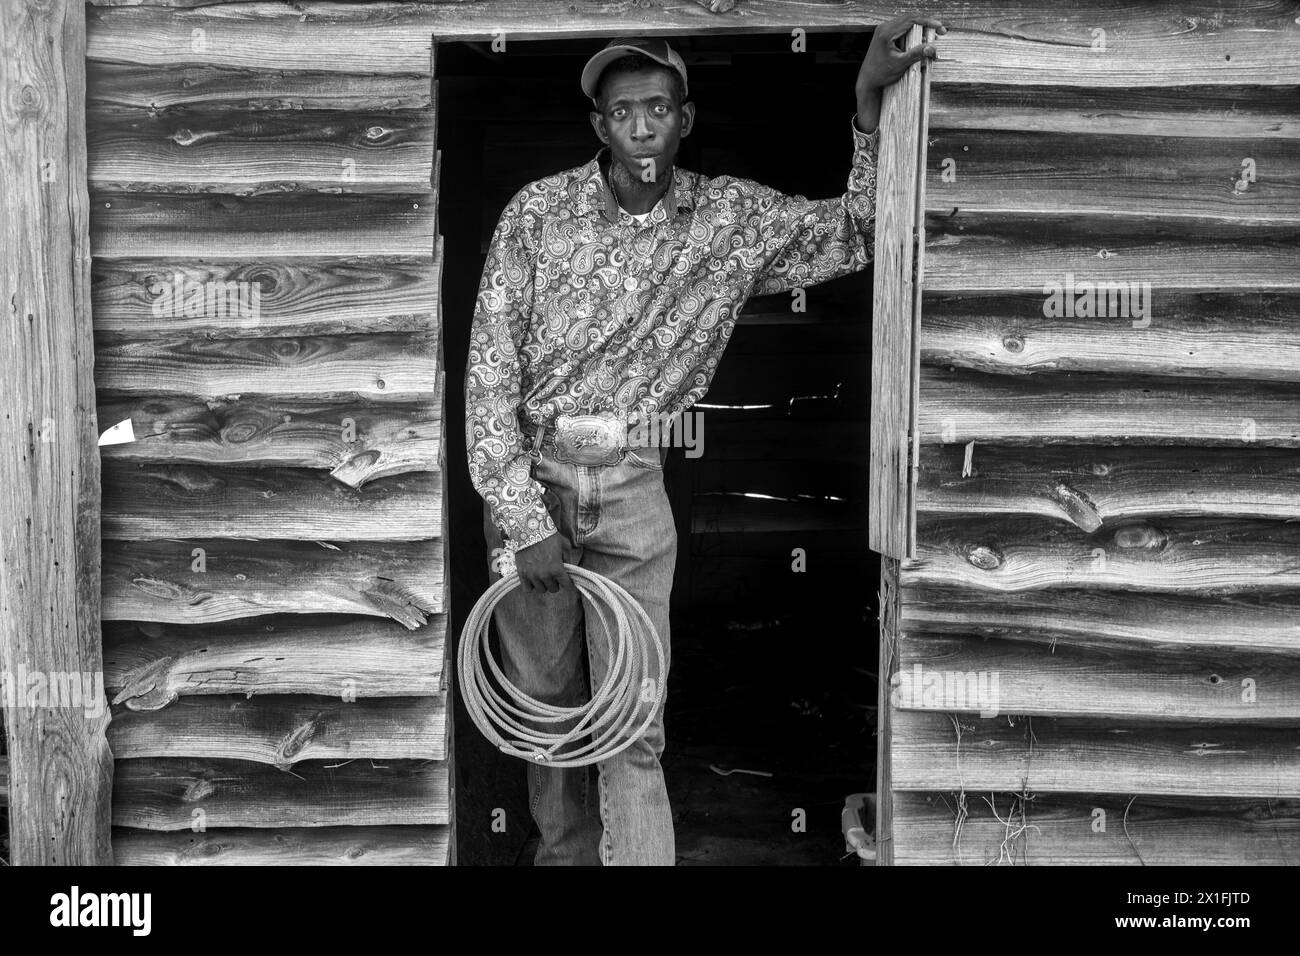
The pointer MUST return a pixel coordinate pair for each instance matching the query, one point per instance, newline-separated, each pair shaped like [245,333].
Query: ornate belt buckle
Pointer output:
[590,439]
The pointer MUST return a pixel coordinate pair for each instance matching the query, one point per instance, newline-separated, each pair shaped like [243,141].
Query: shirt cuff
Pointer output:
[529,532]
[861,140]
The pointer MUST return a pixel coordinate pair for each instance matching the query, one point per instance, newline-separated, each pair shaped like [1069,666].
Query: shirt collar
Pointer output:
[596,191]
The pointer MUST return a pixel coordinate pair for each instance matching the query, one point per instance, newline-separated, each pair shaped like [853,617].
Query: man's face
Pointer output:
[642,123]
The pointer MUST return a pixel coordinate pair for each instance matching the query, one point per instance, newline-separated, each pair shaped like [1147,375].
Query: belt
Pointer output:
[589,439]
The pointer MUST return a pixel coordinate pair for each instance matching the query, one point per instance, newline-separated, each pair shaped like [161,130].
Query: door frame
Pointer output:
[895,303]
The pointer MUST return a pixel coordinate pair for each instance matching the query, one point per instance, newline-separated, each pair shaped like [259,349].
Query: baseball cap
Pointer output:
[658,50]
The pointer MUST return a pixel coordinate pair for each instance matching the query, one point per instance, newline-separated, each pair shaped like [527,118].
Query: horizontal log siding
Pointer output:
[1108,504]
[274,553]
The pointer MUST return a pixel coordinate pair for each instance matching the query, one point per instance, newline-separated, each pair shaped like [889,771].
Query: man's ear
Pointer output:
[688,118]
[598,124]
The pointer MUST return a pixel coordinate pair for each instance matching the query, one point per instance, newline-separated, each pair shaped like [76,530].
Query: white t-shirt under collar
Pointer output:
[640,217]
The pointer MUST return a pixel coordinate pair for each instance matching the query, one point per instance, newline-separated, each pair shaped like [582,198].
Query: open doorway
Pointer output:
[774,604]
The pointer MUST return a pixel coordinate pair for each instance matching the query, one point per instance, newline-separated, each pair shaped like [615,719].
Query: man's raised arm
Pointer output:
[804,241]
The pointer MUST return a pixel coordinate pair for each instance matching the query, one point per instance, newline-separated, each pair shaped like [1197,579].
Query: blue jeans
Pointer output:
[617,522]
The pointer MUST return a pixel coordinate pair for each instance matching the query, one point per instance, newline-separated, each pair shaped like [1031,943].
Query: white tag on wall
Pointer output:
[120,434]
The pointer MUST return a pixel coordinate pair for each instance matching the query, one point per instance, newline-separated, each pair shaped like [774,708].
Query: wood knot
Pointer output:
[238,432]
[1013,343]
[153,587]
[1077,507]
[29,99]
[355,471]
[148,688]
[198,790]
[1140,537]
[193,481]
[265,279]
[297,739]
[287,349]
[984,557]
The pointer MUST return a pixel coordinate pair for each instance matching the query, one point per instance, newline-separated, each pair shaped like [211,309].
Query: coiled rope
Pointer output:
[508,717]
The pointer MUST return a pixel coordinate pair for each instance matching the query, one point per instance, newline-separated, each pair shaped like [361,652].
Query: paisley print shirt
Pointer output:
[581,309]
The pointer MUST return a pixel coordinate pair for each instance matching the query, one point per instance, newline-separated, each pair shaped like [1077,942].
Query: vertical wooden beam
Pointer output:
[918,285]
[895,383]
[890,615]
[893,334]
[60,768]
[449,655]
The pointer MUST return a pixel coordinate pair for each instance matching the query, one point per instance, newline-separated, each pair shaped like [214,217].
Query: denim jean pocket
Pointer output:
[645,458]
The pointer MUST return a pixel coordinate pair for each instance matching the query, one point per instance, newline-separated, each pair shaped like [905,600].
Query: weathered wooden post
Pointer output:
[894,379]
[60,771]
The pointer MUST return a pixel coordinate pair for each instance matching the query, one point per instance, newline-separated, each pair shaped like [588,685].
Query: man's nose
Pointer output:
[640,128]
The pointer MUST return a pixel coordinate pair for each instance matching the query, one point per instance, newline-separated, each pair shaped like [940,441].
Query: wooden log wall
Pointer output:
[1116,542]
[273,587]
[1107,502]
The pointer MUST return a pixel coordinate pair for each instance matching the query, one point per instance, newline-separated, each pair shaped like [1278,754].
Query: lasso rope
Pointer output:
[508,717]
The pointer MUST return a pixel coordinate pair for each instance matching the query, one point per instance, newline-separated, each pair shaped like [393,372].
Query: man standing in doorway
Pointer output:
[608,296]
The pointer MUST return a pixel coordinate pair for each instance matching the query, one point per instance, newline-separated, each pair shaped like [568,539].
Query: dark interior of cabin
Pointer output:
[772,698]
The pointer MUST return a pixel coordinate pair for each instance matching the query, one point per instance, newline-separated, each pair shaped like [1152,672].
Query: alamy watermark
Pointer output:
[56,690]
[214,299]
[933,689]
[683,430]
[75,908]
[1102,300]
